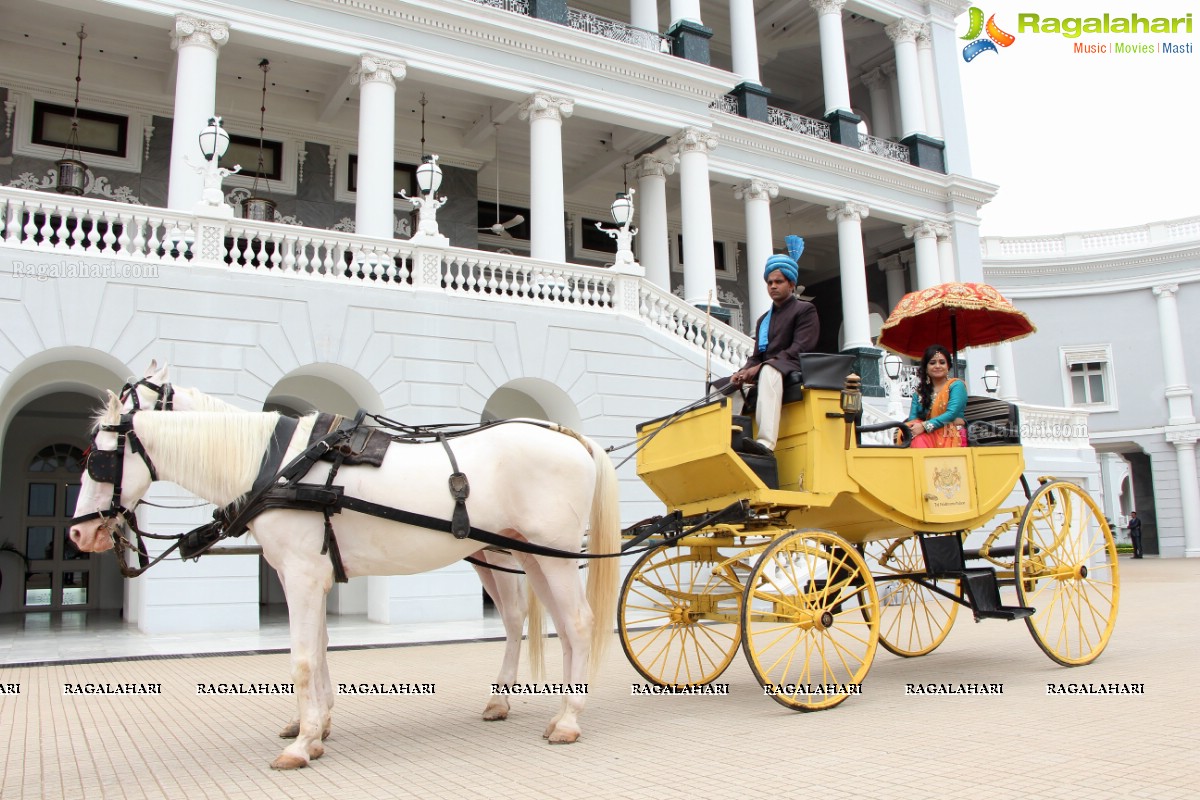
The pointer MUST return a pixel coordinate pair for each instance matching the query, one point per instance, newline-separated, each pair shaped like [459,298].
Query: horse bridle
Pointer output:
[164,391]
[108,466]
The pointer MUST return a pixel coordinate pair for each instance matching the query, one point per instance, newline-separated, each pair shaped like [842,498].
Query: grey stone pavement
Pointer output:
[882,744]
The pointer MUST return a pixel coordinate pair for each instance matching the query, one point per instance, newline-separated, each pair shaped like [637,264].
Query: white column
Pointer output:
[685,10]
[1006,365]
[196,42]
[929,93]
[893,269]
[879,85]
[889,70]
[545,113]
[376,77]
[929,273]
[1189,488]
[945,248]
[756,195]
[745,40]
[699,269]
[856,322]
[833,54]
[653,239]
[908,74]
[644,14]
[1178,391]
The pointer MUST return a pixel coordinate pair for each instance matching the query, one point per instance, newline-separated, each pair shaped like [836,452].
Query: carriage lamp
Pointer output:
[991,379]
[891,366]
[622,214]
[851,402]
[429,180]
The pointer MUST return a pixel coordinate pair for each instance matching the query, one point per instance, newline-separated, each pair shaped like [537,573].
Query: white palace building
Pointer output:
[838,120]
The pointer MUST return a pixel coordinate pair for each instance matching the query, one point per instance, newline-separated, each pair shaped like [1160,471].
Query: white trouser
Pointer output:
[770,400]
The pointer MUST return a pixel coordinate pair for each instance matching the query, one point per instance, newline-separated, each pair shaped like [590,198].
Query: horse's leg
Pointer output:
[305,589]
[556,582]
[505,590]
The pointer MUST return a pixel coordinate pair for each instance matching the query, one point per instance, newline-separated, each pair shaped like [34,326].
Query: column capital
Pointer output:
[692,140]
[892,263]
[377,69]
[848,212]
[889,69]
[827,6]
[876,79]
[925,38]
[543,105]
[649,166]
[1183,436]
[903,31]
[1166,291]
[941,230]
[756,189]
[189,30]
[921,230]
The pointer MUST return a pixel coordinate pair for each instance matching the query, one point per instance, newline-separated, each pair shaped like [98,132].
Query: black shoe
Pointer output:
[1137,556]
[756,448]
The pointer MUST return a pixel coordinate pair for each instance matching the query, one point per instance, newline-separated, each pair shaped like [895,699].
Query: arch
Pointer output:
[58,369]
[324,387]
[532,397]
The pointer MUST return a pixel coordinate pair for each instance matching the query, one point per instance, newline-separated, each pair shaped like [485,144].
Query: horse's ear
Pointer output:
[159,376]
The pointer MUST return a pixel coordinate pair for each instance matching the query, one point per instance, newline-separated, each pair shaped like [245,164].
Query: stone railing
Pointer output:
[797,123]
[1184,232]
[1054,427]
[50,224]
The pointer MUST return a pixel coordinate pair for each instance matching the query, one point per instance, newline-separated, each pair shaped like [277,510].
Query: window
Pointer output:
[725,268]
[404,176]
[243,151]
[1087,377]
[106,134]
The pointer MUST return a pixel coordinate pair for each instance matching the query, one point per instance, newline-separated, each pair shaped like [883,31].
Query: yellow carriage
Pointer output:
[808,561]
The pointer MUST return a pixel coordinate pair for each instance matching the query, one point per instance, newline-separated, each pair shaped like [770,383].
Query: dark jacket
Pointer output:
[794,330]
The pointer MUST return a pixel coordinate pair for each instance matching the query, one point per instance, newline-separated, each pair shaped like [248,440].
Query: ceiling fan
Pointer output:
[500,228]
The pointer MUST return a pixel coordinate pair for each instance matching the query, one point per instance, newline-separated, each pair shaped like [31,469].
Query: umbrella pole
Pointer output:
[954,342]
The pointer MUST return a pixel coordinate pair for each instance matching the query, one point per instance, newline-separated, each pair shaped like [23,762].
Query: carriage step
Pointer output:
[765,467]
[983,591]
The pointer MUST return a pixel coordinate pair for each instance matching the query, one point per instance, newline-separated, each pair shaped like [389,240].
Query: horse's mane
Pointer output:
[214,455]
[206,402]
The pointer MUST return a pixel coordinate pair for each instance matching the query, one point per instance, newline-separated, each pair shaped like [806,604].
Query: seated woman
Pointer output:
[938,404]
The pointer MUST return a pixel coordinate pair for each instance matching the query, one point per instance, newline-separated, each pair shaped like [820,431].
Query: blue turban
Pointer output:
[787,264]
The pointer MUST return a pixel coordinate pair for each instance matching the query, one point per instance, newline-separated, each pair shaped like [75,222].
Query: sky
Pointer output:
[1084,141]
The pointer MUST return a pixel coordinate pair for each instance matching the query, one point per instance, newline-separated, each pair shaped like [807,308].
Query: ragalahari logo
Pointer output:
[975,27]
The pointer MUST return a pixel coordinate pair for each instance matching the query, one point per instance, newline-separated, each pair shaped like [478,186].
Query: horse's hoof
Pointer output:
[495,711]
[564,737]
[291,731]
[288,761]
[316,750]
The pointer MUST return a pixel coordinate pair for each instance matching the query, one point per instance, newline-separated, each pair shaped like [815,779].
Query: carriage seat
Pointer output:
[817,371]
[992,422]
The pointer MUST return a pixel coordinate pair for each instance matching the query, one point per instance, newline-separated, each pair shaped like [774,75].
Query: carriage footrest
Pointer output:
[984,593]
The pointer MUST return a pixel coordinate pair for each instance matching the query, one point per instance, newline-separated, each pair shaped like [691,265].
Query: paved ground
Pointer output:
[884,744]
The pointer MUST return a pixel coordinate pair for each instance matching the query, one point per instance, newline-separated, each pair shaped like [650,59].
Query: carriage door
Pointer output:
[57,575]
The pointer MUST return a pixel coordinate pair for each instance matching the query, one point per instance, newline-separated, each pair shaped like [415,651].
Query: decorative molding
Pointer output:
[823,7]
[93,185]
[853,212]
[692,140]
[147,135]
[650,166]
[1166,291]
[301,154]
[1183,435]
[378,69]
[903,31]
[924,229]
[10,107]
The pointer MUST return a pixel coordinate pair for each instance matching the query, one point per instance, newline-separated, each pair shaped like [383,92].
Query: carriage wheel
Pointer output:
[1066,568]
[678,620]
[810,620]
[913,619]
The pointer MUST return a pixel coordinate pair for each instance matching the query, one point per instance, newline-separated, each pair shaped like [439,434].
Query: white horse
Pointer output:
[527,482]
[155,391]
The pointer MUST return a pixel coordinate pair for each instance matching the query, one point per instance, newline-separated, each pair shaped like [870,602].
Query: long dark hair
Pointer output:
[924,384]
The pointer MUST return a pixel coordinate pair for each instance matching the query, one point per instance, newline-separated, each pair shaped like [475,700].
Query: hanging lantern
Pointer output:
[255,208]
[71,171]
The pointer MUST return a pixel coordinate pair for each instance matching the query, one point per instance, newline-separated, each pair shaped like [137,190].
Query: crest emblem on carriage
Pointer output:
[947,481]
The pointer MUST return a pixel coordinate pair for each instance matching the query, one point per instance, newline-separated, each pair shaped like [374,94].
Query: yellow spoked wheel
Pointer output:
[678,619]
[804,630]
[1066,568]
[913,619]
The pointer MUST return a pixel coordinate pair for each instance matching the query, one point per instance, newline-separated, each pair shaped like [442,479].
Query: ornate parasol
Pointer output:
[961,314]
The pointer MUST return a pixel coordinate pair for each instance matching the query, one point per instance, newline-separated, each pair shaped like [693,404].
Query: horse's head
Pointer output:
[117,475]
[153,391]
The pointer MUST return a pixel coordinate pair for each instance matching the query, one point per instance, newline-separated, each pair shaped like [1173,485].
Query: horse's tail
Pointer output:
[604,574]
[536,635]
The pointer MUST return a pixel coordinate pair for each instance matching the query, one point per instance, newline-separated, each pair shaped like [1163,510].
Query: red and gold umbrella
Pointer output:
[954,314]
